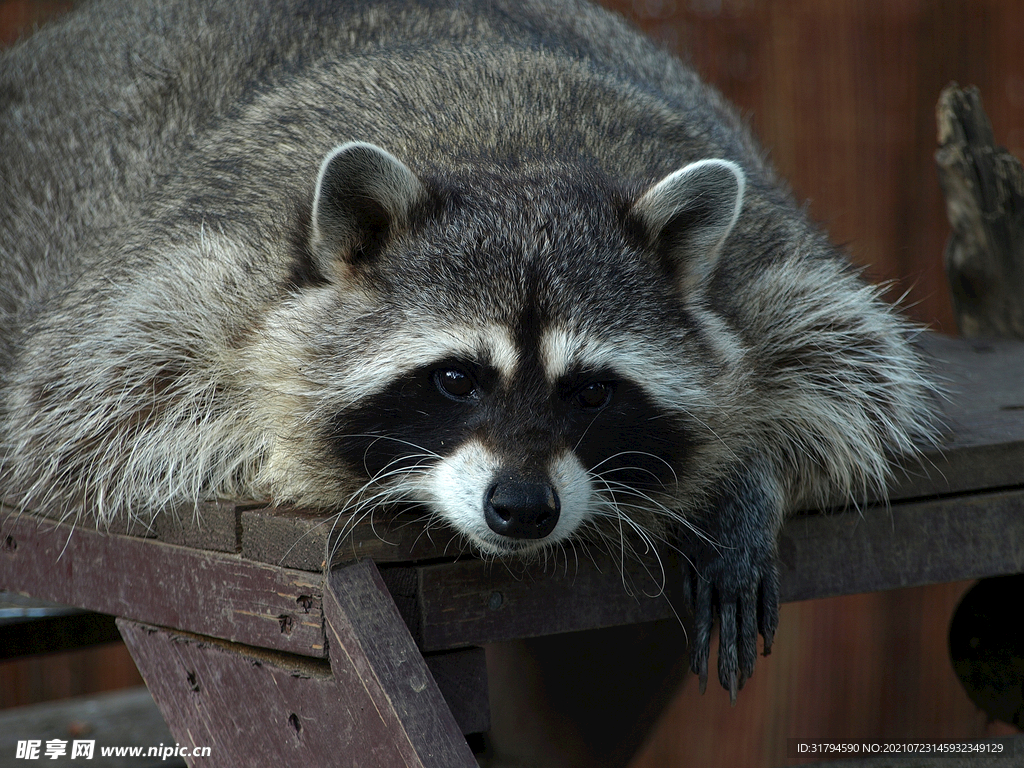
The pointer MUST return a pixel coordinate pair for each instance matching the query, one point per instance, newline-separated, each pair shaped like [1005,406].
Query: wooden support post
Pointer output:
[374,704]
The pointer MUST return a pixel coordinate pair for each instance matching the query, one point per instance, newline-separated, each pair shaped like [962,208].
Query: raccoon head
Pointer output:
[522,350]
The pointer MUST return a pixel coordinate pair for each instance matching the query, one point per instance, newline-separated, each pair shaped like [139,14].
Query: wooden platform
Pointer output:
[248,649]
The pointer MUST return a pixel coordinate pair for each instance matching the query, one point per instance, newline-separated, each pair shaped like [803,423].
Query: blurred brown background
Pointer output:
[842,94]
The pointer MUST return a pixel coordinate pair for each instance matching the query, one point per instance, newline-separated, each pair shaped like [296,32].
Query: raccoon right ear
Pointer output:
[363,197]
[688,214]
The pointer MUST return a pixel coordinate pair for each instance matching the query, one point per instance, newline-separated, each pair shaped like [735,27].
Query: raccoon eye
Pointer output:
[455,383]
[594,396]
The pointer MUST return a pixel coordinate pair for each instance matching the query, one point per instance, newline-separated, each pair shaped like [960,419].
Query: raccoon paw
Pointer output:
[734,574]
[744,594]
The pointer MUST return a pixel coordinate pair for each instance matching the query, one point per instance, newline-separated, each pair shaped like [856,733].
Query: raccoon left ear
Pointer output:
[363,196]
[688,215]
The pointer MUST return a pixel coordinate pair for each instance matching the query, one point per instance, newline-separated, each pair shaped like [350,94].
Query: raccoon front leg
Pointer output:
[733,572]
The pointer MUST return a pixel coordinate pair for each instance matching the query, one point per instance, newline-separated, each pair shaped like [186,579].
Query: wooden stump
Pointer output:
[984,189]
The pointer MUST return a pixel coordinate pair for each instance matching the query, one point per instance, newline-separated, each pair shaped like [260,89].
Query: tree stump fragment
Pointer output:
[984,189]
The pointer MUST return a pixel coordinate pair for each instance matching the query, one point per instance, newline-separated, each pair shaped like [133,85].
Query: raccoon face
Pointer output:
[525,371]
[517,457]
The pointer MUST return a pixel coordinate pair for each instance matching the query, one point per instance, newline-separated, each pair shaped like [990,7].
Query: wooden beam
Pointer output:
[210,593]
[983,411]
[469,602]
[907,544]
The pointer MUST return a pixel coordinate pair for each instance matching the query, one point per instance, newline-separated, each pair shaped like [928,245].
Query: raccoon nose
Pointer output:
[521,510]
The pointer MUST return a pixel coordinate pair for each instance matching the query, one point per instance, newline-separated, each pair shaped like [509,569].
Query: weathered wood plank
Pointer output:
[206,592]
[984,414]
[908,544]
[473,602]
[248,707]
[926,542]
[374,704]
[213,525]
[302,538]
[470,602]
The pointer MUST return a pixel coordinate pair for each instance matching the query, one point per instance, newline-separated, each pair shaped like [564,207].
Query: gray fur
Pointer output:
[191,306]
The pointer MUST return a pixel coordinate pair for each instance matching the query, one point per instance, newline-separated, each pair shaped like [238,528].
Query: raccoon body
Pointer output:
[506,261]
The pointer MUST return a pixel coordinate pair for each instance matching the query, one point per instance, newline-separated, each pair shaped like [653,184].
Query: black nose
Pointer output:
[521,509]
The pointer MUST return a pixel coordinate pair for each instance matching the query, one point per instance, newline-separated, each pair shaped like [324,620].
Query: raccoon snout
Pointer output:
[521,509]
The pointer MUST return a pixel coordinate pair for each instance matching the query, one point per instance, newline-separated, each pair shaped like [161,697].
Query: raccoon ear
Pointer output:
[688,215]
[363,196]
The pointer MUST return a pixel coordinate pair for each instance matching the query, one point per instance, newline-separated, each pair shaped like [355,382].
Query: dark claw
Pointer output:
[700,647]
[768,609]
[748,625]
[752,610]
[727,647]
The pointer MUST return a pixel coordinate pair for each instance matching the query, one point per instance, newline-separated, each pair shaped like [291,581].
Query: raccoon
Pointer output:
[505,261]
